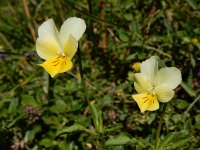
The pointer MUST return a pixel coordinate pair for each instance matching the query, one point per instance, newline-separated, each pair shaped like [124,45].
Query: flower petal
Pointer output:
[146,101]
[65,66]
[70,47]
[141,83]
[57,65]
[47,47]
[170,76]
[164,93]
[149,68]
[74,26]
[48,36]
[48,28]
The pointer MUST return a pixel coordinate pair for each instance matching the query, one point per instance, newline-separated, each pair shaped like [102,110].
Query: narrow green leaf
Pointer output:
[143,143]
[192,4]
[116,127]
[168,139]
[118,140]
[47,143]
[75,127]
[197,121]
[13,105]
[138,142]
[16,119]
[179,143]
[181,104]
[131,57]
[188,89]
[30,134]
[97,117]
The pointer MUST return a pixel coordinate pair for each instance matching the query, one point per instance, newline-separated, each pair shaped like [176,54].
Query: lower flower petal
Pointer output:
[146,101]
[164,93]
[57,64]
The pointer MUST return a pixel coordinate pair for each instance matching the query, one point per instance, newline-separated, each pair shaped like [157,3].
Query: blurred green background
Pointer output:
[35,107]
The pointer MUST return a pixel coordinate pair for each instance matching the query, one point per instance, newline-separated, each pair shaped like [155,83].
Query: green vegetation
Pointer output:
[39,112]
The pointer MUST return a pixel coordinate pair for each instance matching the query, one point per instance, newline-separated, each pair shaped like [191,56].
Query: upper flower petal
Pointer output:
[49,29]
[141,83]
[70,47]
[149,68]
[170,76]
[47,47]
[74,26]
[164,93]
[48,36]
[57,64]
[146,101]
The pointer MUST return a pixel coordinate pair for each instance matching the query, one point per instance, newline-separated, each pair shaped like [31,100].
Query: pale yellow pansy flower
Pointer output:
[155,85]
[58,48]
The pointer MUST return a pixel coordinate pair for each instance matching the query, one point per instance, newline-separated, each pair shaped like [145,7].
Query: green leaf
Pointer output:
[13,105]
[131,76]
[194,5]
[188,89]
[179,143]
[123,36]
[47,143]
[143,143]
[168,139]
[181,104]
[97,117]
[118,140]
[30,134]
[59,107]
[29,100]
[138,142]
[115,127]
[106,100]
[46,82]
[21,116]
[131,57]
[75,127]
[197,122]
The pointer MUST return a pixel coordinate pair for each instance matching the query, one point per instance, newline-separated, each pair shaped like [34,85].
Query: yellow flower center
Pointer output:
[146,101]
[150,99]
[60,60]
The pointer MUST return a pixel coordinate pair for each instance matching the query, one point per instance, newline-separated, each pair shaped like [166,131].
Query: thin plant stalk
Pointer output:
[81,73]
[100,140]
[28,16]
[159,128]
[80,66]
[192,104]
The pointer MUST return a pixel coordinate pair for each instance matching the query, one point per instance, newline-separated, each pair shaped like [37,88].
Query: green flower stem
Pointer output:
[81,73]
[80,67]
[159,127]
[50,85]
[192,104]
[100,139]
